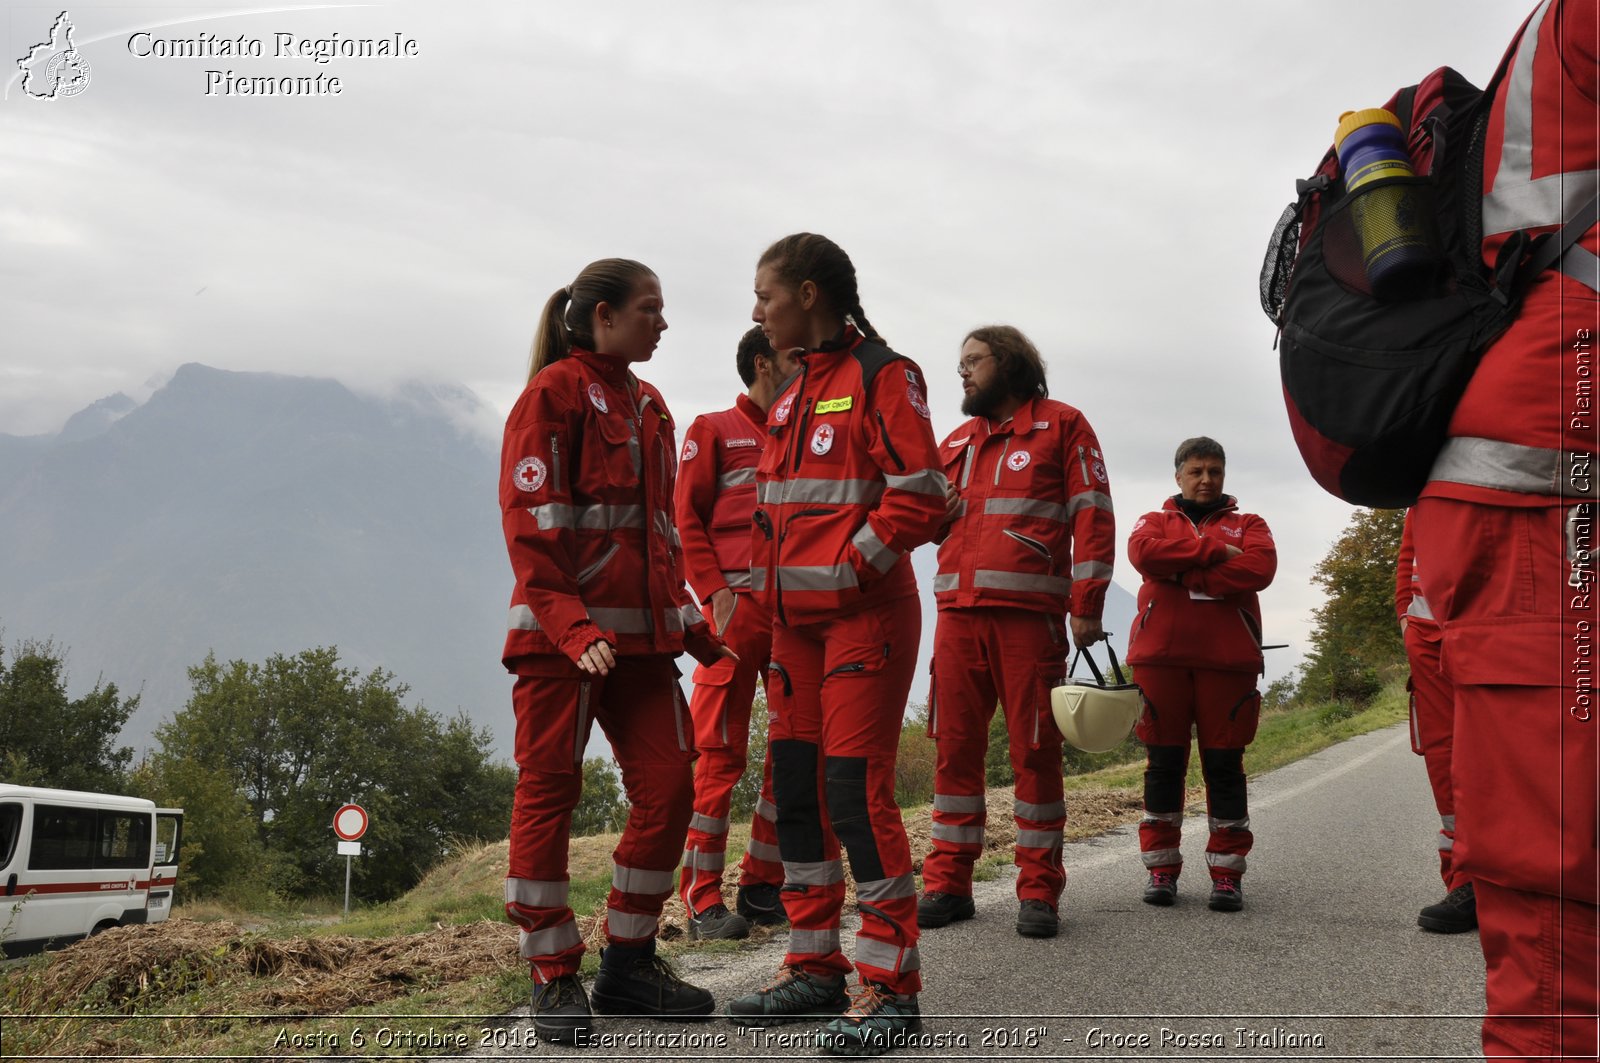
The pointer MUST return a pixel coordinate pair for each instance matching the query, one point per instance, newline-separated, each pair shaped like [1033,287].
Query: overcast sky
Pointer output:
[1102,175]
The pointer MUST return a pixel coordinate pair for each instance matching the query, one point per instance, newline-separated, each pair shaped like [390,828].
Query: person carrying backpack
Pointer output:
[1507,523]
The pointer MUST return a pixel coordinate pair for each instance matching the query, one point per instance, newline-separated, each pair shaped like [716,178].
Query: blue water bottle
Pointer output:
[1390,221]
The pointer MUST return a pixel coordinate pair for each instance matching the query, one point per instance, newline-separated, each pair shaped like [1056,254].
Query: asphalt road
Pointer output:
[1325,962]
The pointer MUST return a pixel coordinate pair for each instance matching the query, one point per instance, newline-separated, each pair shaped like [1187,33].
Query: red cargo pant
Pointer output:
[640,708]
[723,693]
[1222,708]
[1521,617]
[1433,709]
[838,694]
[1018,655]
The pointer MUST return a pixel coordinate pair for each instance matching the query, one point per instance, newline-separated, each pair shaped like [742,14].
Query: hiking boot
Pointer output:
[1456,914]
[1227,895]
[876,1021]
[762,904]
[717,922]
[793,996]
[1036,919]
[941,909]
[1162,889]
[648,987]
[560,1010]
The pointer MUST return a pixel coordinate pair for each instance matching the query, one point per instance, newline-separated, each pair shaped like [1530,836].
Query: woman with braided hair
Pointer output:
[848,484]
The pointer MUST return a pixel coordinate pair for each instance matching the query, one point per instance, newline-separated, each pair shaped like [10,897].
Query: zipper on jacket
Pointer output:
[555,461]
[1000,462]
[799,449]
[1033,544]
[966,469]
[883,431]
[587,574]
[1083,465]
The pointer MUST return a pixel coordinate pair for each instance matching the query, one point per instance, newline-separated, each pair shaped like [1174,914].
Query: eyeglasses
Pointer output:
[967,365]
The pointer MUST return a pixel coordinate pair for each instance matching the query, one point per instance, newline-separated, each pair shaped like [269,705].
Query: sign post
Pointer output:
[349,824]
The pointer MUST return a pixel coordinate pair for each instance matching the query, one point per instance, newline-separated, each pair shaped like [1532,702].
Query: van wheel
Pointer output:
[104,924]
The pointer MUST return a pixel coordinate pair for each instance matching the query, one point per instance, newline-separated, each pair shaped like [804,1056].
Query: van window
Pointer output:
[10,828]
[167,838]
[83,838]
[124,840]
[63,838]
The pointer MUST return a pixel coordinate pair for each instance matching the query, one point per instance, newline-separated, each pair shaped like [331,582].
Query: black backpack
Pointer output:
[1370,384]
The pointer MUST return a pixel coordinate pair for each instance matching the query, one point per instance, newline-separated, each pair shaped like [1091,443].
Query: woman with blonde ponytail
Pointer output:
[598,613]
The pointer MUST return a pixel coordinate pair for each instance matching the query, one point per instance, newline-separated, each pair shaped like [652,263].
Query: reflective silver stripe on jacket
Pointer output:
[630,924]
[1040,813]
[1518,199]
[1514,467]
[737,478]
[622,621]
[1419,608]
[1091,570]
[927,482]
[532,944]
[829,492]
[758,580]
[821,873]
[1026,507]
[531,893]
[1039,839]
[1089,500]
[817,577]
[1162,857]
[639,880]
[737,579]
[996,580]
[552,515]
[608,518]
[877,553]
[946,581]
[959,802]
[887,956]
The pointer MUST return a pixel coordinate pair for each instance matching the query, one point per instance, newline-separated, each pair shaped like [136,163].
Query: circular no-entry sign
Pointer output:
[350,822]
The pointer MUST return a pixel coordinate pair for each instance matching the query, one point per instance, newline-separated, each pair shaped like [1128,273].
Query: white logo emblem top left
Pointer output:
[597,395]
[54,69]
[530,474]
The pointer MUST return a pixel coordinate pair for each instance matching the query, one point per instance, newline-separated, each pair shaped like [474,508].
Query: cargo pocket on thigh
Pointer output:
[1243,719]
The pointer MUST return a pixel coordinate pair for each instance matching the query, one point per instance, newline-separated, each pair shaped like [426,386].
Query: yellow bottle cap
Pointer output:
[1351,121]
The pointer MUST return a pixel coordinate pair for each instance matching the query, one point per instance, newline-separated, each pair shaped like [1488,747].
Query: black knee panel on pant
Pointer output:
[852,822]
[1225,782]
[1164,773]
[794,791]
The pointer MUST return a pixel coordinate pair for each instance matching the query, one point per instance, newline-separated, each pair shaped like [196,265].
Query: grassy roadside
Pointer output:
[429,973]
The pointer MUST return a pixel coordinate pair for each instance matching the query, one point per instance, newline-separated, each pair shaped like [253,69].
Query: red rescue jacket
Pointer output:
[717,494]
[848,485]
[1034,529]
[1197,605]
[586,500]
[1409,604]
[1526,427]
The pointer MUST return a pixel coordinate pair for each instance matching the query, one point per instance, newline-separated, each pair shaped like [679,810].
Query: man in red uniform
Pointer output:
[1032,539]
[1507,525]
[716,495]
[1432,716]
[1196,645]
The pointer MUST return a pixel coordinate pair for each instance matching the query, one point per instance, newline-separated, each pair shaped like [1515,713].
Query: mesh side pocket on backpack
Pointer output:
[1278,265]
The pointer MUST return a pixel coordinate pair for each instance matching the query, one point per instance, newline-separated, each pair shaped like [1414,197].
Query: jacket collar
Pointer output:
[610,368]
[746,405]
